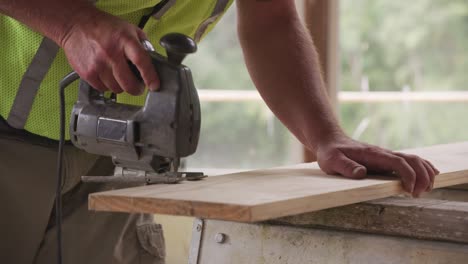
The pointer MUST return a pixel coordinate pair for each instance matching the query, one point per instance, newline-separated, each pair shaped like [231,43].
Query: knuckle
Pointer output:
[109,48]
[414,158]
[411,175]
[103,53]
[335,154]
[89,74]
[142,60]
[348,165]
[122,34]
[368,149]
[425,181]
[95,67]
[421,166]
[126,34]
[326,166]
[371,151]
[329,155]
[408,174]
[398,160]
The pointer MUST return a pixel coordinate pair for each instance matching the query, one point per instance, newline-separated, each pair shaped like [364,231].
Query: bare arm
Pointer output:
[97,45]
[283,64]
[52,18]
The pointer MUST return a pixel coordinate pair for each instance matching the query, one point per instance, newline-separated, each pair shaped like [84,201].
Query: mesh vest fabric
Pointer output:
[19,45]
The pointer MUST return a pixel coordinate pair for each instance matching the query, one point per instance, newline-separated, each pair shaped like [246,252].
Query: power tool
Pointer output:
[147,142]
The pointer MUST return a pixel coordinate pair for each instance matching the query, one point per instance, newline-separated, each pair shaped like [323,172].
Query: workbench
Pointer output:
[298,214]
[429,230]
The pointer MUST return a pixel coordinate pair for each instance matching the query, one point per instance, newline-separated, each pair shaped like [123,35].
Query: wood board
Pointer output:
[272,193]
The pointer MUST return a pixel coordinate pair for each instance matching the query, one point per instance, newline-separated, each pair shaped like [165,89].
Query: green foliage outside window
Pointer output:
[419,45]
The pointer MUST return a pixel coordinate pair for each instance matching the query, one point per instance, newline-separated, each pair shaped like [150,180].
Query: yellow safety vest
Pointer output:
[31,66]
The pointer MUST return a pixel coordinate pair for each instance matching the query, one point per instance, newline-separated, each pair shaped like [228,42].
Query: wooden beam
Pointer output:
[412,218]
[321,19]
[267,194]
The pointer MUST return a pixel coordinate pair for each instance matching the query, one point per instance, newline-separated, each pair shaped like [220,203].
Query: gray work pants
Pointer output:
[27,221]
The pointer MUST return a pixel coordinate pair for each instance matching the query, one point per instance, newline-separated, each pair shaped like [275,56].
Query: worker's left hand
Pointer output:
[352,159]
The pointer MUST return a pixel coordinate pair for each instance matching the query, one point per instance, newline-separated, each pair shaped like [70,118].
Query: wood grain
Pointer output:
[272,193]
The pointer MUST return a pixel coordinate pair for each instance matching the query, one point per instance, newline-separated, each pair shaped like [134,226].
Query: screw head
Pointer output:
[199,228]
[220,238]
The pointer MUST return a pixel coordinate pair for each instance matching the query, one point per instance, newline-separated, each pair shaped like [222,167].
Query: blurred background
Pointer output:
[402,74]
[396,73]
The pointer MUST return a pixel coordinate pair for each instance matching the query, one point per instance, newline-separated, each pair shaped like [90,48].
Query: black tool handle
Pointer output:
[178,46]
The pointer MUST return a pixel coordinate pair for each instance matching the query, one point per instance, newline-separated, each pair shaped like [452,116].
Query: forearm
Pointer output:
[283,64]
[51,18]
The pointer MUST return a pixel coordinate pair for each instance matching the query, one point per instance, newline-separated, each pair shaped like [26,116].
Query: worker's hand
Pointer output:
[354,159]
[99,49]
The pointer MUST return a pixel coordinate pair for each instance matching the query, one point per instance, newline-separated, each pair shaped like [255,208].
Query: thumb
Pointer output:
[349,168]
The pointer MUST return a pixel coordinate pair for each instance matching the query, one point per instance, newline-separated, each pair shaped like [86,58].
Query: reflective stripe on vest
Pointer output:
[31,82]
[164,9]
[217,11]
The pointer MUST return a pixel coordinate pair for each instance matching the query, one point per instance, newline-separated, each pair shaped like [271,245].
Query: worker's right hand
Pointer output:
[99,48]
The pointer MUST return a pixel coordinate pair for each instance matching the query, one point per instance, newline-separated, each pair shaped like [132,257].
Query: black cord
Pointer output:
[66,81]
[71,77]
[144,19]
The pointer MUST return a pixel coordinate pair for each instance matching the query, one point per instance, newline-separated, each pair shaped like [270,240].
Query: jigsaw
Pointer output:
[147,142]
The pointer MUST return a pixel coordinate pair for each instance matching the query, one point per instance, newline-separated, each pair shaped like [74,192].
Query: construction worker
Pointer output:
[42,40]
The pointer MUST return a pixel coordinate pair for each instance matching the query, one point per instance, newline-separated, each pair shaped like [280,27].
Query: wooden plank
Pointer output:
[429,219]
[272,193]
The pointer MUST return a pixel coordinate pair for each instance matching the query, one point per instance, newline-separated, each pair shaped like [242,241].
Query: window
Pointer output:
[401,83]
[238,130]
[404,71]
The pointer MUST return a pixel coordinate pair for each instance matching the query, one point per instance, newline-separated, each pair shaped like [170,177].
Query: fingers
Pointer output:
[347,167]
[417,175]
[354,159]
[424,173]
[141,34]
[433,167]
[96,82]
[377,159]
[135,52]
[107,78]
[126,78]
[432,175]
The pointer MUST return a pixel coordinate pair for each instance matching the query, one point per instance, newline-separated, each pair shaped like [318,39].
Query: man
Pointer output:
[97,40]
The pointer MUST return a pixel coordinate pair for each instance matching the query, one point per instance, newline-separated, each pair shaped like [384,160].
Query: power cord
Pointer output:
[64,83]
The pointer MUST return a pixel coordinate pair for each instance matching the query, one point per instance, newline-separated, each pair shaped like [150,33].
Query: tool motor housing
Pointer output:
[141,138]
